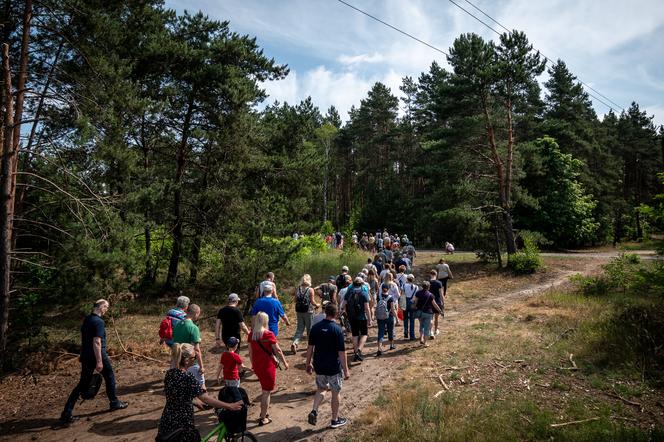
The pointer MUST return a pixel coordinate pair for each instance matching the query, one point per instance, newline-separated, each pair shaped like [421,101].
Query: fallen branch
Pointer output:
[573,367]
[628,419]
[456,368]
[438,394]
[627,401]
[559,338]
[124,349]
[500,365]
[564,424]
[440,378]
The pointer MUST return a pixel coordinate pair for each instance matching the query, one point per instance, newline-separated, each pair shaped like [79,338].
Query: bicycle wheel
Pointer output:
[241,437]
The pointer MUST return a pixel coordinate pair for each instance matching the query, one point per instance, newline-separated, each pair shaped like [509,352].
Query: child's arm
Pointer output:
[221,366]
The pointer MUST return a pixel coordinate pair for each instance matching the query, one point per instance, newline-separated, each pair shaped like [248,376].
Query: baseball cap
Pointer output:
[344,269]
[233,297]
[332,278]
[232,341]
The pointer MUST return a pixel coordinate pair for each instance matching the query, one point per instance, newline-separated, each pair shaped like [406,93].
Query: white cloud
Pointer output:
[361,58]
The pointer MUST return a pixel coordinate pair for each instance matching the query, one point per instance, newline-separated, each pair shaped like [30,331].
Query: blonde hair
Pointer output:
[306,280]
[180,352]
[260,325]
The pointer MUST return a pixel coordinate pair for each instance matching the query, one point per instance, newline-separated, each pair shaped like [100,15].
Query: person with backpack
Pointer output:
[356,301]
[393,289]
[341,278]
[93,359]
[186,332]
[408,293]
[386,313]
[173,317]
[305,307]
[181,388]
[328,351]
[425,306]
[328,290]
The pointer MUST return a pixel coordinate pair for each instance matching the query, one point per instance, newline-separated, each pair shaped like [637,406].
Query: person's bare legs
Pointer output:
[362,341]
[265,403]
[335,404]
[356,343]
[434,329]
[319,398]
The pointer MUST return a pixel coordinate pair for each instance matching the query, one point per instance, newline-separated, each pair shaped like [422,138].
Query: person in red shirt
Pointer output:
[230,363]
[265,355]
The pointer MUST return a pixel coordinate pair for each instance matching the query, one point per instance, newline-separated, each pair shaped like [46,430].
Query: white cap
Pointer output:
[233,297]
[344,269]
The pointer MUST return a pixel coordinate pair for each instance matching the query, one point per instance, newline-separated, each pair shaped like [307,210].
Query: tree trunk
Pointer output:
[177,233]
[497,237]
[6,176]
[195,256]
[509,233]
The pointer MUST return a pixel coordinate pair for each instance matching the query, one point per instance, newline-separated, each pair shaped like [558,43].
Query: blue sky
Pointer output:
[336,54]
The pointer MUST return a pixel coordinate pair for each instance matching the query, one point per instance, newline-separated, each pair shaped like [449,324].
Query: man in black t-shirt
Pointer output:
[230,322]
[326,346]
[93,358]
[437,292]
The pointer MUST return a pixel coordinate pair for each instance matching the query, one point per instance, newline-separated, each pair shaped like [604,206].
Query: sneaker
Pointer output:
[293,348]
[339,422]
[119,405]
[356,358]
[360,356]
[437,332]
[313,417]
[66,421]
[378,353]
[393,347]
[432,337]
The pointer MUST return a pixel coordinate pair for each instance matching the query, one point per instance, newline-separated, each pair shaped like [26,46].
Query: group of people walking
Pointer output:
[343,307]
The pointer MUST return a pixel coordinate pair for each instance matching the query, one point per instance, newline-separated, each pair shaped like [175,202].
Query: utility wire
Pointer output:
[543,55]
[479,20]
[395,28]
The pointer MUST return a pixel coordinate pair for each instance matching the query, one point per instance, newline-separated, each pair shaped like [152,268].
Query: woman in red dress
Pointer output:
[264,351]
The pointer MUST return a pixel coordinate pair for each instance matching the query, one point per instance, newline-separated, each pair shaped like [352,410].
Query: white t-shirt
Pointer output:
[383,275]
[261,287]
[409,289]
[443,271]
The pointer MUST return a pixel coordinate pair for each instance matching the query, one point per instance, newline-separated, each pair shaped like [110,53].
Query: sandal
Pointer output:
[266,420]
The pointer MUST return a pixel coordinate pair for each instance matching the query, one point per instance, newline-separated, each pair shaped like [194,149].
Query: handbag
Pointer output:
[91,390]
[275,359]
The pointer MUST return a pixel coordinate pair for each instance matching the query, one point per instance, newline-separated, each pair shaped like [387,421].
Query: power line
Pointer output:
[543,55]
[395,28]
[485,24]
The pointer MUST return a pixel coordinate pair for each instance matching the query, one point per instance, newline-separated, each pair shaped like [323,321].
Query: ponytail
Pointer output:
[176,355]
[179,352]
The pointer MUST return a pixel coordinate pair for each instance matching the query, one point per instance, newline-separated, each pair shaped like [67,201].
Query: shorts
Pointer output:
[200,377]
[232,383]
[358,327]
[325,382]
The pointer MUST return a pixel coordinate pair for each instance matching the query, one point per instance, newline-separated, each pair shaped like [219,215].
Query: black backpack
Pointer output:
[302,300]
[326,292]
[235,421]
[91,390]
[354,302]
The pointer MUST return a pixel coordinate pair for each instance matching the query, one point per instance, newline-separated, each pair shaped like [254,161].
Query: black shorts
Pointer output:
[444,281]
[358,327]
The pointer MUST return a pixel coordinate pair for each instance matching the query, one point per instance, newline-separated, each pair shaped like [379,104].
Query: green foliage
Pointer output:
[527,260]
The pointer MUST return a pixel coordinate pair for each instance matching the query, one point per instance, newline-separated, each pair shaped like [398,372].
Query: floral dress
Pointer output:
[180,388]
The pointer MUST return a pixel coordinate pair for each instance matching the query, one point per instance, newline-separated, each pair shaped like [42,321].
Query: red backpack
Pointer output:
[166,329]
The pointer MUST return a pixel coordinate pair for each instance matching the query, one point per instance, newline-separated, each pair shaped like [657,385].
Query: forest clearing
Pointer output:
[503,357]
[182,179]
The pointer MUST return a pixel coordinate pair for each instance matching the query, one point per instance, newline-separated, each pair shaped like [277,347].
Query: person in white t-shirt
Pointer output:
[409,290]
[444,274]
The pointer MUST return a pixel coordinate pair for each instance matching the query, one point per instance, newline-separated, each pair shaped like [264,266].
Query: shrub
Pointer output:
[527,260]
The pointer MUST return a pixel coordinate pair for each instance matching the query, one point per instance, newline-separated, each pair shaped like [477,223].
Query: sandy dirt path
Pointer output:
[141,382]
